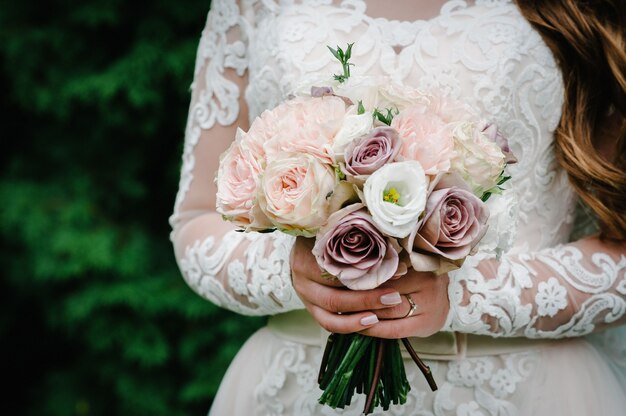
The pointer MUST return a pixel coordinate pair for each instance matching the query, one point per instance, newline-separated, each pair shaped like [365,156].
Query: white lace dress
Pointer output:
[514,343]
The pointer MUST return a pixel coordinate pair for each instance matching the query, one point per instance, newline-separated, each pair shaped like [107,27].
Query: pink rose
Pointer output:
[263,129]
[351,248]
[451,110]
[306,125]
[425,138]
[366,155]
[237,179]
[295,193]
[455,220]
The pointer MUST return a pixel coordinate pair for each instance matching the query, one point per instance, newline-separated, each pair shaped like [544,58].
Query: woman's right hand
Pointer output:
[336,308]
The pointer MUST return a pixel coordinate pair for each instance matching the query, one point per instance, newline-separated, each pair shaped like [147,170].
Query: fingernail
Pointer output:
[369,320]
[391,299]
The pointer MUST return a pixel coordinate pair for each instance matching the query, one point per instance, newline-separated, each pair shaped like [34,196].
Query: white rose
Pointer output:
[354,126]
[502,223]
[403,96]
[396,195]
[478,159]
[362,88]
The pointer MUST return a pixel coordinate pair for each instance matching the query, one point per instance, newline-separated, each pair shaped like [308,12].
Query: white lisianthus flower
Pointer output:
[478,159]
[396,197]
[354,126]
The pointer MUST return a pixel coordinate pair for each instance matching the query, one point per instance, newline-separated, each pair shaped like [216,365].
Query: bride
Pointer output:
[535,332]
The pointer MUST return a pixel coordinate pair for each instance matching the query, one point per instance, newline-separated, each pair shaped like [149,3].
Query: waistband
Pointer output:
[298,326]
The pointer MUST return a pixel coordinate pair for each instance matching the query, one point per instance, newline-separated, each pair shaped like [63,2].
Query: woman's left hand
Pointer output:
[429,295]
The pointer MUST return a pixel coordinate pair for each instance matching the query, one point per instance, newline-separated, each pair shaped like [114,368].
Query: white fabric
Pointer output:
[485,54]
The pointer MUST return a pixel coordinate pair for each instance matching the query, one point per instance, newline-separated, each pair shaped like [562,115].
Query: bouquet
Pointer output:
[384,178]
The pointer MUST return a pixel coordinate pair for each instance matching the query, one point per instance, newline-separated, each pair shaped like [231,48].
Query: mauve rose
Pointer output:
[351,248]
[455,220]
[491,130]
[321,91]
[366,155]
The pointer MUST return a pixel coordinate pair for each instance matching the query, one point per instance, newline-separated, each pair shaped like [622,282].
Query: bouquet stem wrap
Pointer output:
[374,366]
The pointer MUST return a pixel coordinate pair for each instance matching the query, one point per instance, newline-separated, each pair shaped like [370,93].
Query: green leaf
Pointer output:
[334,52]
[348,54]
[360,108]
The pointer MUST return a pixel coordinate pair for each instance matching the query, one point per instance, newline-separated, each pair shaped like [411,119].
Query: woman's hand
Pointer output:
[380,312]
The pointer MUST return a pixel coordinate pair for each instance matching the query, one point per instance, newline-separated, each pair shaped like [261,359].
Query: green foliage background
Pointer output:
[95,318]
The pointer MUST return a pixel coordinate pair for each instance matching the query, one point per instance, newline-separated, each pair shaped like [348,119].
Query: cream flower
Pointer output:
[354,126]
[478,159]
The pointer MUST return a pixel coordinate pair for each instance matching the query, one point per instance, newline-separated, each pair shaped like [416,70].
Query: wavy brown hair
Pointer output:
[588,40]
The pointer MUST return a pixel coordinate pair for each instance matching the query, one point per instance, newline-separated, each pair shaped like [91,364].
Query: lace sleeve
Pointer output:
[566,291]
[247,273]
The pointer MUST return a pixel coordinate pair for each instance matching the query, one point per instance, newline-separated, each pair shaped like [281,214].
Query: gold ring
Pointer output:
[413,307]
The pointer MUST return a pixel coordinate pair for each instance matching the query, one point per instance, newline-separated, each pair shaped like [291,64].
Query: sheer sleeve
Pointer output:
[247,273]
[565,291]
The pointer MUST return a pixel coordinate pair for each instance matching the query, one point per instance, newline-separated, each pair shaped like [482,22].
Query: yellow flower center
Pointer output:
[391,195]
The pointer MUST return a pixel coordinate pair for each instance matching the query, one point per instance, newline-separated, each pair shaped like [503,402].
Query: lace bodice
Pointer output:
[484,53]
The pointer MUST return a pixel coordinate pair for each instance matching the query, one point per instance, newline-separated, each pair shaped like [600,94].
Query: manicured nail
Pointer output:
[369,320]
[391,299]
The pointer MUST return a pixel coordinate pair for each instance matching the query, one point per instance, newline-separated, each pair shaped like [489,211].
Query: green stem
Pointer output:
[334,392]
[369,403]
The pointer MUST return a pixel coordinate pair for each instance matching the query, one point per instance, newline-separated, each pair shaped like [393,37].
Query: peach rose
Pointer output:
[237,180]
[295,193]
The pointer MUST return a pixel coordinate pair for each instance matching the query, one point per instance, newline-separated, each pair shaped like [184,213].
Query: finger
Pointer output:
[399,311]
[326,279]
[343,300]
[342,324]
[306,268]
[416,326]
[413,282]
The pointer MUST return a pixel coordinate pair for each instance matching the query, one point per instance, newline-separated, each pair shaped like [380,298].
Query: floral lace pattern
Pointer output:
[523,294]
[550,298]
[262,279]
[474,386]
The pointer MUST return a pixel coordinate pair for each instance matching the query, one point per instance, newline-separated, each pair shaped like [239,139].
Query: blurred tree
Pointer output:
[95,316]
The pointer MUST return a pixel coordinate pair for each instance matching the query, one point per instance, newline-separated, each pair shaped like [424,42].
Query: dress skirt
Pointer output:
[275,373]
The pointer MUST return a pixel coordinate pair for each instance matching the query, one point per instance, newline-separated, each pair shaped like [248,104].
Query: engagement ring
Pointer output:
[413,307]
